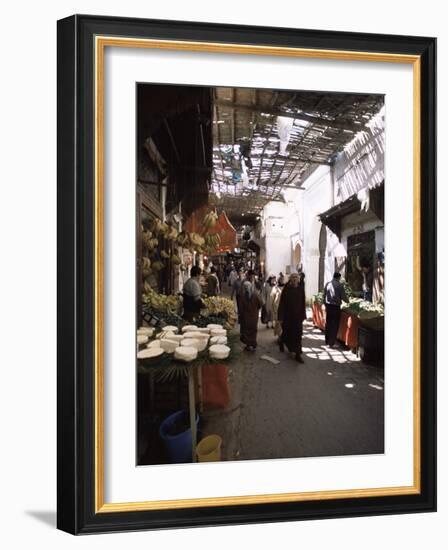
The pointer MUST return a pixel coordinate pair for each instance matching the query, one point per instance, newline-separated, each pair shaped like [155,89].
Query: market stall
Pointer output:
[181,350]
[358,318]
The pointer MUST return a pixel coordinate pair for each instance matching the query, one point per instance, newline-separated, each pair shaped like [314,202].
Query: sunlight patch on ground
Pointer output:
[321,357]
[376,387]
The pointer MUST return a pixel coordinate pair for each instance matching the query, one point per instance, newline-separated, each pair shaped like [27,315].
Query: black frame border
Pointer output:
[76,262]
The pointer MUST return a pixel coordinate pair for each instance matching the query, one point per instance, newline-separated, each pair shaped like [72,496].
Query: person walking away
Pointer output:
[367,282]
[281,280]
[213,288]
[220,274]
[249,304]
[275,306]
[191,293]
[334,295]
[236,287]
[228,268]
[291,314]
[233,276]
[270,291]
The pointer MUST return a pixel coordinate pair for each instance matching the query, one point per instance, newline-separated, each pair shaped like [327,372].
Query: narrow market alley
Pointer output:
[272,199]
[332,404]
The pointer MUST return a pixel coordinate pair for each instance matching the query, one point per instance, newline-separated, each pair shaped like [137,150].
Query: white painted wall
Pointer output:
[280,222]
[317,198]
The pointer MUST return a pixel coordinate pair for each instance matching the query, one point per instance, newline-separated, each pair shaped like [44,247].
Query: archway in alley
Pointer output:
[322,249]
[298,256]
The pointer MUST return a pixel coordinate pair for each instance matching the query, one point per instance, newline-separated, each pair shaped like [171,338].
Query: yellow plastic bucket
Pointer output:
[209,449]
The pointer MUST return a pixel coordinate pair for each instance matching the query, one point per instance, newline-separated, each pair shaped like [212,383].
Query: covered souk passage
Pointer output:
[297,182]
[325,214]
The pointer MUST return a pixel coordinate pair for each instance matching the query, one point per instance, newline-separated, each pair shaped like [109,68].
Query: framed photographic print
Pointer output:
[246,274]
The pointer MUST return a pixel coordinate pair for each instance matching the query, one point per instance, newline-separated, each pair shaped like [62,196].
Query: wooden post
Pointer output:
[200,390]
[192,403]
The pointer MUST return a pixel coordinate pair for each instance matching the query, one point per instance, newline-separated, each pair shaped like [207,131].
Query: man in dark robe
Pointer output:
[249,304]
[192,292]
[291,314]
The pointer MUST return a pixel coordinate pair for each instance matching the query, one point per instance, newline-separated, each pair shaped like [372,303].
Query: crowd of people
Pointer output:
[280,303]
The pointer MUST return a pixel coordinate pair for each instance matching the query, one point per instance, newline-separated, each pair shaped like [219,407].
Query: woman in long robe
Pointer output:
[269,295]
[249,304]
[291,314]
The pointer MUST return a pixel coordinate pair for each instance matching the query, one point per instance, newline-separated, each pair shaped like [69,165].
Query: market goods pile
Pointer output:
[185,346]
[221,307]
[161,303]
[363,309]
[168,309]
[161,241]
[355,306]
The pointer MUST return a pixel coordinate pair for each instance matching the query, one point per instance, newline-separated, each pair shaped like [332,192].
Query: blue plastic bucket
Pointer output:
[178,447]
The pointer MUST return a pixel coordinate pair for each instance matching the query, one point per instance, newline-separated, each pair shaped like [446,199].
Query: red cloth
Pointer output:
[223,227]
[318,316]
[215,388]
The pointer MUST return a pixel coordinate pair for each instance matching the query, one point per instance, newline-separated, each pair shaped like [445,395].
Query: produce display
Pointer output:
[317,298]
[160,303]
[204,321]
[363,309]
[216,305]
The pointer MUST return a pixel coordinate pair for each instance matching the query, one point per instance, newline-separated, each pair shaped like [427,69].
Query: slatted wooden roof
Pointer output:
[323,123]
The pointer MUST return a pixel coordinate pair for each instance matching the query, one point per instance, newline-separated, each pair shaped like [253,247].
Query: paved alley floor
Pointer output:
[332,404]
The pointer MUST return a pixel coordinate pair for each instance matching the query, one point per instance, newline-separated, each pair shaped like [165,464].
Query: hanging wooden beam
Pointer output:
[299,116]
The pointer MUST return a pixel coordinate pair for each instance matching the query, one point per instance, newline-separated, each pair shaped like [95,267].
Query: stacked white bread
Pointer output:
[213,326]
[142,339]
[202,330]
[218,332]
[165,334]
[189,328]
[145,331]
[219,351]
[168,345]
[218,340]
[185,353]
[149,354]
[199,343]
[175,337]
[154,344]
[171,328]
[192,343]
[196,334]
